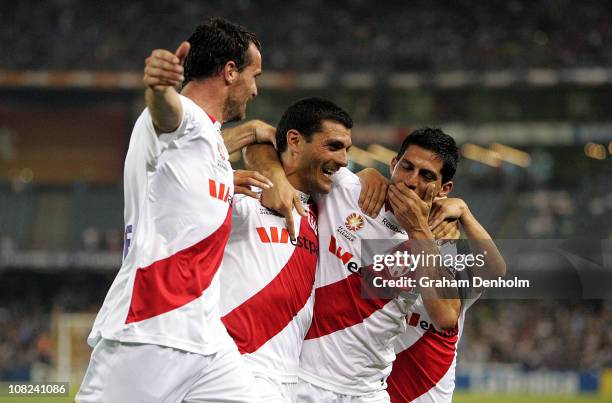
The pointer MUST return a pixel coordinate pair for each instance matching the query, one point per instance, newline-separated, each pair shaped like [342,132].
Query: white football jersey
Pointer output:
[424,370]
[178,192]
[348,348]
[267,283]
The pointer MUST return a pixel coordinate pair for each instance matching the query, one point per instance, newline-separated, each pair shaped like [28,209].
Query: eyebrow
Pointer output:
[337,143]
[424,170]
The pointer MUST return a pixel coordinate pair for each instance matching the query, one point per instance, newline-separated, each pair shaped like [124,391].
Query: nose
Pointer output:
[342,159]
[254,92]
[411,180]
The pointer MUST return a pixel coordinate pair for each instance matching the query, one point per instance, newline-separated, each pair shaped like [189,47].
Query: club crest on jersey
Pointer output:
[354,222]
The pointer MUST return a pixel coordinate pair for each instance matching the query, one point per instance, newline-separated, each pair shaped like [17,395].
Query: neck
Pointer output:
[209,95]
[290,168]
[295,181]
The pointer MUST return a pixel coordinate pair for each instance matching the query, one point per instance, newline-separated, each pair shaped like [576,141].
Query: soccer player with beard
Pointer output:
[159,336]
[267,278]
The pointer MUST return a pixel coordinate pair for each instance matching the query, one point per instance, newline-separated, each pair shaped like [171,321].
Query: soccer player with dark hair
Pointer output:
[267,277]
[159,336]
[348,351]
[426,352]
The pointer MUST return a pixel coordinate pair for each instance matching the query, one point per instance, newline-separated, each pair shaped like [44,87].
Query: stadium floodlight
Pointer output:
[512,155]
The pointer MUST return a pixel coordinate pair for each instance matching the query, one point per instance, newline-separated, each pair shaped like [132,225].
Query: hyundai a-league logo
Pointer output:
[354,222]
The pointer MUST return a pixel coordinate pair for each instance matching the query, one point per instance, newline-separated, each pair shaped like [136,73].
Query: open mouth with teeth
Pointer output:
[328,172]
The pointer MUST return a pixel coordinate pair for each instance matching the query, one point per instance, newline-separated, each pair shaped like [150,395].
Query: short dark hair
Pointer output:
[440,143]
[307,116]
[215,43]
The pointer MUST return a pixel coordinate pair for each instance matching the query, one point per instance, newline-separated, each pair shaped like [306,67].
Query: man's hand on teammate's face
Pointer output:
[164,69]
[373,191]
[243,180]
[411,212]
[447,209]
[282,198]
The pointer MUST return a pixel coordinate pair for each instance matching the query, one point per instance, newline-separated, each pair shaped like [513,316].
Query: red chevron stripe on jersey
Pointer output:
[179,279]
[421,366]
[340,305]
[252,324]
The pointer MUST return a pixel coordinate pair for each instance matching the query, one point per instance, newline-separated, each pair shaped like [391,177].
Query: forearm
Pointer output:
[263,158]
[165,108]
[236,138]
[442,303]
[481,243]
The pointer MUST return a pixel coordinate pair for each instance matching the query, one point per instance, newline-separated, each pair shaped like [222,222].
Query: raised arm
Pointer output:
[162,74]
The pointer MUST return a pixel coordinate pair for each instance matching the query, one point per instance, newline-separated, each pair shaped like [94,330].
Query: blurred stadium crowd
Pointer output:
[562,194]
[557,335]
[309,35]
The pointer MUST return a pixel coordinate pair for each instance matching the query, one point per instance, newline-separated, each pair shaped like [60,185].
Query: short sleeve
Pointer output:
[154,144]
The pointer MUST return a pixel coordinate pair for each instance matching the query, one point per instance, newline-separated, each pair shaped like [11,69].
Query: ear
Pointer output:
[446,189]
[230,72]
[294,140]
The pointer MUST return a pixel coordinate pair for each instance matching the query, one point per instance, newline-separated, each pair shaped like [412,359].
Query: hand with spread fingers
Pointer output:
[282,198]
[243,180]
[410,210]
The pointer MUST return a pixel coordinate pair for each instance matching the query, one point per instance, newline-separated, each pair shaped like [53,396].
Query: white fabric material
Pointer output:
[250,266]
[442,391]
[309,393]
[145,373]
[272,390]
[169,208]
[355,360]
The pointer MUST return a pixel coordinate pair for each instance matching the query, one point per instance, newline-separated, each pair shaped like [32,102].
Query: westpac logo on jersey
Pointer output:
[344,256]
[219,191]
[281,236]
[416,321]
[273,235]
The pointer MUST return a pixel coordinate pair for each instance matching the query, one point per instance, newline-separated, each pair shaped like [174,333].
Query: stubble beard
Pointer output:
[231,110]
